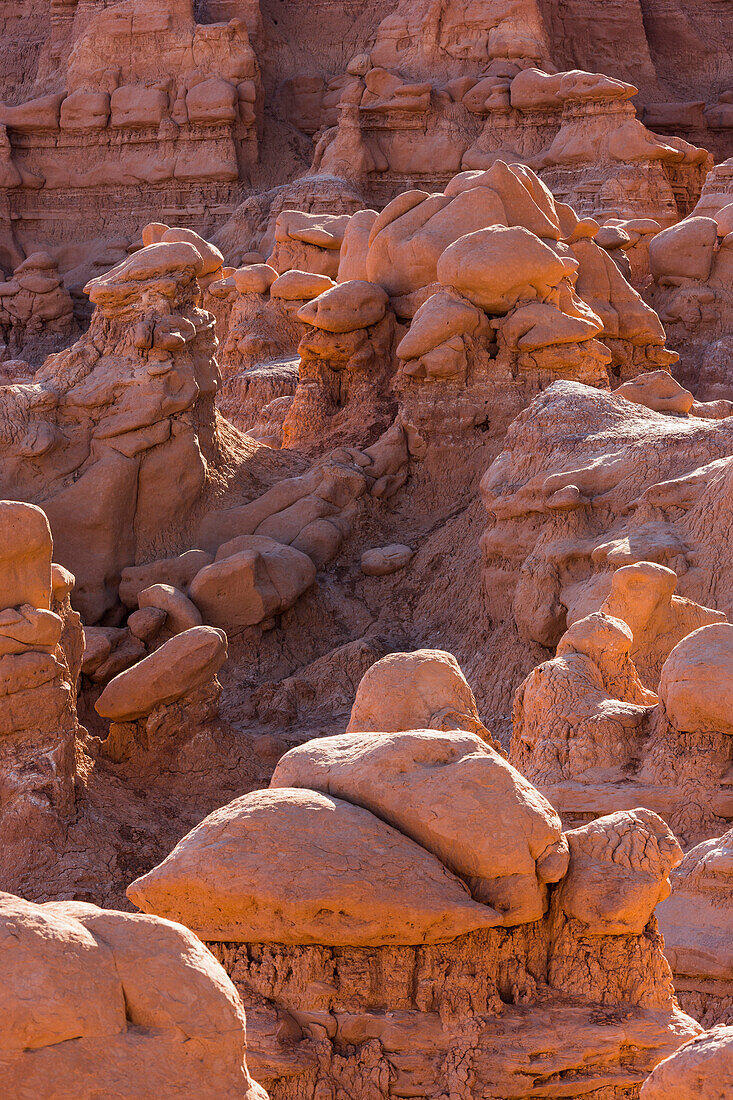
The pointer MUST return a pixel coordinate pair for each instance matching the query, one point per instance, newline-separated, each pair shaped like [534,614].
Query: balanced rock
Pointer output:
[408,691]
[456,797]
[346,307]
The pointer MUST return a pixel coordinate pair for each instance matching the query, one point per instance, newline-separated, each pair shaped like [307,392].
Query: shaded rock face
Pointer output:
[116,435]
[696,921]
[40,653]
[601,533]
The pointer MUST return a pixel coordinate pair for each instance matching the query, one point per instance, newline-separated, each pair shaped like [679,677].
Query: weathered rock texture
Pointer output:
[41,643]
[696,923]
[703,1067]
[336,909]
[278,287]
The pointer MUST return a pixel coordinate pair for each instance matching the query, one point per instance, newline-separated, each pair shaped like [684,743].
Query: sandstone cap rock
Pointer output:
[346,307]
[254,278]
[25,555]
[452,794]
[296,286]
[619,867]
[497,266]
[702,1069]
[299,867]
[101,1003]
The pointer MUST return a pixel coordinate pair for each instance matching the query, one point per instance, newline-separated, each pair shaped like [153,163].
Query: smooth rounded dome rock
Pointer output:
[696,685]
[254,279]
[346,307]
[456,797]
[299,286]
[299,867]
[496,267]
[410,691]
[702,1069]
[100,1003]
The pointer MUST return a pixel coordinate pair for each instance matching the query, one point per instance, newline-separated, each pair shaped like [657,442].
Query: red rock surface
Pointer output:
[365,378]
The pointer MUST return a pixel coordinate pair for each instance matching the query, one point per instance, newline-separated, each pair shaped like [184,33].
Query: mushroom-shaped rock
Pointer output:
[346,307]
[210,254]
[252,578]
[607,642]
[254,278]
[696,685]
[619,868]
[300,286]
[299,867]
[184,663]
[25,555]
[701,1069]
[410,691]
[168,260]
[96,1003]
[495,267]
[456,797]
[659,391]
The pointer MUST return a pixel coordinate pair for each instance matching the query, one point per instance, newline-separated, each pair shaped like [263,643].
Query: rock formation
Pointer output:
[101,1002]
[40,655]
[366,428]
[368,968]
[695,921]
[700,1068]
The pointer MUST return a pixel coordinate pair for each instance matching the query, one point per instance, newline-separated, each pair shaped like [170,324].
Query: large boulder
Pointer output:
[696,685]
[299,867]
[100,1003]
[497,266]
[619,868]
[453,795]
[252,578]
[410,691]
[702,1069]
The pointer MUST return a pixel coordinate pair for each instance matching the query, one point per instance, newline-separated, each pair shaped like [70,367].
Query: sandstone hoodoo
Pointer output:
[366,621]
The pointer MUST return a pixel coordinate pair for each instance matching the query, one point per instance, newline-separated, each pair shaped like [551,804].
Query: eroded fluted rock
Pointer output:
[619,868]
